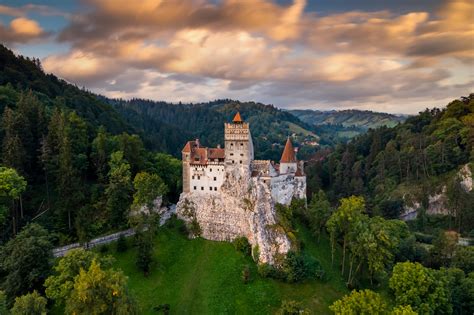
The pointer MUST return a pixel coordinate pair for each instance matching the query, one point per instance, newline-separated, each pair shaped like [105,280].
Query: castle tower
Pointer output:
[186,158]
[288,162]
[238,143]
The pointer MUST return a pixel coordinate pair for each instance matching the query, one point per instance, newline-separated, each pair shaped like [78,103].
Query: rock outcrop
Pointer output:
[243,207]
[438,202]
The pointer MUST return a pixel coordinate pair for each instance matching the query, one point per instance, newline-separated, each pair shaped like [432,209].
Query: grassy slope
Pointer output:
[204,277]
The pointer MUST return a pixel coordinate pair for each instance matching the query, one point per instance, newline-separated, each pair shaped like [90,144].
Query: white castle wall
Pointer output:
[206,178]
[285,187]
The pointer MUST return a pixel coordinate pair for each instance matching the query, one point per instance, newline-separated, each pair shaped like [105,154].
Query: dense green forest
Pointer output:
[395,166]
[74,157]
[75,165]
[180,122]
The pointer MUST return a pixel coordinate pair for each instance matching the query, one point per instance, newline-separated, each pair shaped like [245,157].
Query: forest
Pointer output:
[75,165]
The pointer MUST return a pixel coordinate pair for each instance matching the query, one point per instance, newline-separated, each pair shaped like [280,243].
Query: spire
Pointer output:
[288,155]
[237,118]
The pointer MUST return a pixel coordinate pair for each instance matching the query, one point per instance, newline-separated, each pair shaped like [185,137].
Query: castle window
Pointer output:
[215,188]
[241,144]
[199,177]
[232,154]
[193,176]
[202,188]
[194,187]
[241,154]
[232,161]
[210,170]
[215,178]
[210,188]
[240,161]
[231,144]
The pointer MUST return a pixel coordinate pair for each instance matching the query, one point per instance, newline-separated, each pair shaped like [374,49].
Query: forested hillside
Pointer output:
[68,158]
[358,118]
[167,126]
[412,160]
[340,126]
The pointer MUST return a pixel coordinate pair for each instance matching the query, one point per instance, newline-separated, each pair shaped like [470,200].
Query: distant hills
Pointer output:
[349,118]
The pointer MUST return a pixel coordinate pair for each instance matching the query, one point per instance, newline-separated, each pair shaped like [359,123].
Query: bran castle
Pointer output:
[228,194]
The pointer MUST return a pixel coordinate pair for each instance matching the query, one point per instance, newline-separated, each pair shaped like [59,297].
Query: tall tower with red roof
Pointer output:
[238,143]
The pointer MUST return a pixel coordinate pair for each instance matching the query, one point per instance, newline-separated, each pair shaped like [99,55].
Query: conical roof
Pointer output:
[237,118]
[288,155]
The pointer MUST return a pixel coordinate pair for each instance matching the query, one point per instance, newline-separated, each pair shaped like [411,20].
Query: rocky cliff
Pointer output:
[438,202]
[243,207]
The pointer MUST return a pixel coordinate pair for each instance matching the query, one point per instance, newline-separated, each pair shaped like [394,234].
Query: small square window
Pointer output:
[202,188]
[215,178]
[210,170]
[232,154]
[215,188]
[210,188]
[193,176]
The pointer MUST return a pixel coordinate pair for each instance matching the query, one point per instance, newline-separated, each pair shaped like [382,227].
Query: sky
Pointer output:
[397,56]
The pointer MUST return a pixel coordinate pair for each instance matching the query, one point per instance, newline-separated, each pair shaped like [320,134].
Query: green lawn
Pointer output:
[204,277]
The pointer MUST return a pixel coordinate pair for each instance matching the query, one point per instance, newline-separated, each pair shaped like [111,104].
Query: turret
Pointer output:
[288,162]
[238,143]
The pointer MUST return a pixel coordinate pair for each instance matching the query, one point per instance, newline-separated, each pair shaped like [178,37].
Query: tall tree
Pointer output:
[424,289]
[12,186]
[119,189]
[319,211]
[29,304]
[60,284]
[25,261]
[13,151]
[99,291]
[343,221]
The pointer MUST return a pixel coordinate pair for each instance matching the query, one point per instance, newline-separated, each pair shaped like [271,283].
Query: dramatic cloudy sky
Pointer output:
[397,56]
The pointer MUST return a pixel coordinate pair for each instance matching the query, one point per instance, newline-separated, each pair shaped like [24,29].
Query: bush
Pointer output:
[298,267]
[291,308]
[242,245]
[246,274]
[121,244]
[104,249]
[194,228]
[424,238]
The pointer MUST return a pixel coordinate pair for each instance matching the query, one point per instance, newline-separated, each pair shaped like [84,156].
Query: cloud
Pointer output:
[281,54]
[21,30]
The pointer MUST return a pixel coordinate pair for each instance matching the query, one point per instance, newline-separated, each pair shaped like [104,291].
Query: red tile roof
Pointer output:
[237,118]
[288,155]
[216,153]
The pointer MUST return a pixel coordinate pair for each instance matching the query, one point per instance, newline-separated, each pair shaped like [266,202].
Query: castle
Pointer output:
[230,194]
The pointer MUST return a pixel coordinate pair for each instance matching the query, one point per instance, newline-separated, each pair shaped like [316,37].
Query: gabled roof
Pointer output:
[237,118]
[288,155]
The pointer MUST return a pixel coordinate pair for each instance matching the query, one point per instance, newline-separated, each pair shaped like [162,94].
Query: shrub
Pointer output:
[104,249]
[291,308]
[246,274]
[299,267]
[424,238]
[194,228]
[121,244]
[255,253]
[242,245]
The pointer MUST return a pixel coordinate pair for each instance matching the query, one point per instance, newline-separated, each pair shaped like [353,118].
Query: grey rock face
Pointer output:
[243,207]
